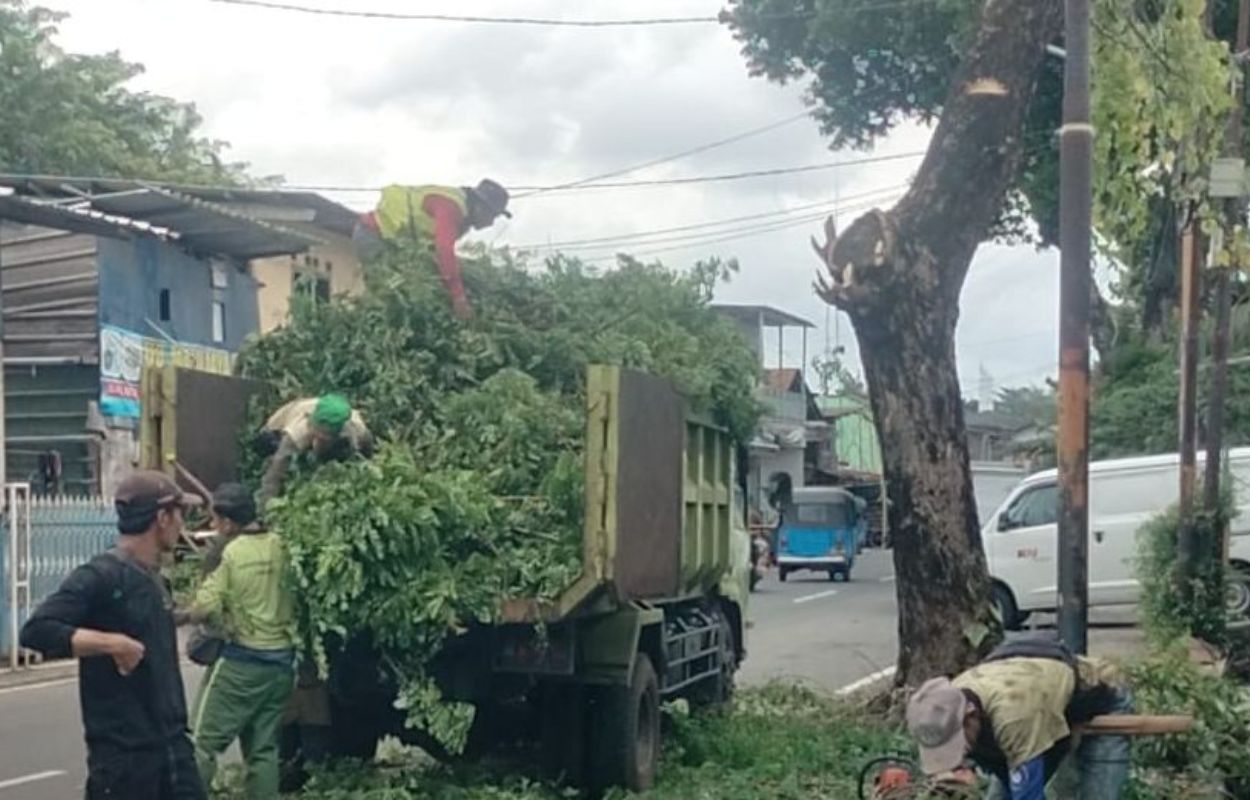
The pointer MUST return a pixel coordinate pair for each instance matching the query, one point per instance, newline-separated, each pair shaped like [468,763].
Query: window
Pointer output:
[835,515]
[219,321]
[221,276]
[164,306]
[1036,506]
[313,286]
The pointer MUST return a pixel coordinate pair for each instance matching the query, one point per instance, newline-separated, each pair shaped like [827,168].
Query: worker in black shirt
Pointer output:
[114,614]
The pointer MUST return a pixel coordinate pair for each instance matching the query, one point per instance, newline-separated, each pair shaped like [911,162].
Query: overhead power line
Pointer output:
[526,191]
[635,236]
[744,234]
[425,17]
[703,148]
[552,22]
[730,176]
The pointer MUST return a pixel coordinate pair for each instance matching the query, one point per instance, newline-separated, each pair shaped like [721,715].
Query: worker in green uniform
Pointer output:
[246,691]
[326,427]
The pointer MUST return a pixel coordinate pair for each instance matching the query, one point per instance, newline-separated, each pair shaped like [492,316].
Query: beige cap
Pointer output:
[935,717]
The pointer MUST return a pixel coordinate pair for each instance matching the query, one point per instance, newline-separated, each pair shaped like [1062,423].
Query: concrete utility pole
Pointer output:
[1076,139]
[1234,213]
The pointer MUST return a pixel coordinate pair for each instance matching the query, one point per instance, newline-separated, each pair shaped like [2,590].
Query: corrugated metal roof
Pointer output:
[204,226]
[72,218]
[326,213]
[199,224]
[763,315]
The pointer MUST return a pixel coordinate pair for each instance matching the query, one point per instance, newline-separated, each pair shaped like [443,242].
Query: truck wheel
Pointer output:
[1238,593]
[625,746]
[782,574]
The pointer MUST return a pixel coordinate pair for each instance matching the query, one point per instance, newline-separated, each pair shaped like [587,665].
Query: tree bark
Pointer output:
[898,275]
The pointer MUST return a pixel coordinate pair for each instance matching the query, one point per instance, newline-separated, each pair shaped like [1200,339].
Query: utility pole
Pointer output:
[1234,211]
[1187,404]
[1076,139]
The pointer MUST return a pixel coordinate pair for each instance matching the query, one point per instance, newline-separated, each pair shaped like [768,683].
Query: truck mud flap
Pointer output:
[531,650]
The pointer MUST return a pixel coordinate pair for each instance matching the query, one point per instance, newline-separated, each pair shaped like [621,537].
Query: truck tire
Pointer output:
[782,574]
[625,741]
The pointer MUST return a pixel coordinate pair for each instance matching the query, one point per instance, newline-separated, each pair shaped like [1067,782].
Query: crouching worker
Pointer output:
[243,695]
[1012,716]
[324,428]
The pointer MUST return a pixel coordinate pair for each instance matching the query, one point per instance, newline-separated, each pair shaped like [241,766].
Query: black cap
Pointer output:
[144,493]
[234,502]
[493,196]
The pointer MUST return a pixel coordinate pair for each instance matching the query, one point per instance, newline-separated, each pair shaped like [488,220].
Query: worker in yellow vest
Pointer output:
[437,216]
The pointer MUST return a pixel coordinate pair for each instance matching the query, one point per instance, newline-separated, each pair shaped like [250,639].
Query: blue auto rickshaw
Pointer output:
[821,530]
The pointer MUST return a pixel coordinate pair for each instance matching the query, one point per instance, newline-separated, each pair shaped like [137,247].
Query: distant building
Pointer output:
[329,267]
[100,281]
[783,452]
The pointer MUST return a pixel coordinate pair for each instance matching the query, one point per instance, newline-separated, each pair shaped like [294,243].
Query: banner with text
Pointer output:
[124,354]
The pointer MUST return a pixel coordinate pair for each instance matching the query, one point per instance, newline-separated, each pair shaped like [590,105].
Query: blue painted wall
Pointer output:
[133,273]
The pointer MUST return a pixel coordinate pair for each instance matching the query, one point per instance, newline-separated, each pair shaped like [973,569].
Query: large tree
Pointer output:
[64,113]
[898,273]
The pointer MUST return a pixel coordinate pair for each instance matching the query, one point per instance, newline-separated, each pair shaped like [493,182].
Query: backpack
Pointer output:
[1087,701]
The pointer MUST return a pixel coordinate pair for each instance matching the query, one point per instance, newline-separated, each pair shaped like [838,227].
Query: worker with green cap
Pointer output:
[326,427]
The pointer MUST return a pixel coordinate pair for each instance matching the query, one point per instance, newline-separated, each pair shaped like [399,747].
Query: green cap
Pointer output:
[332,412]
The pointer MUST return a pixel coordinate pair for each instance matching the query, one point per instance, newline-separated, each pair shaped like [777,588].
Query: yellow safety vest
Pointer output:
[402,207]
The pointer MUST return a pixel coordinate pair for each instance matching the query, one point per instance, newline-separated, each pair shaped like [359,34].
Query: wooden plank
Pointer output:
[1137,724]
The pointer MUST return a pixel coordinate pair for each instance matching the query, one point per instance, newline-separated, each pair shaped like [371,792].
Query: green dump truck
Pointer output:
[657,614]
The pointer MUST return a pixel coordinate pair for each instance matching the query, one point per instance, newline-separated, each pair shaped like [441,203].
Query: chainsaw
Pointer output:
[897,777]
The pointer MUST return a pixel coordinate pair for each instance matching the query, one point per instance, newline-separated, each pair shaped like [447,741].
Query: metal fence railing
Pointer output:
[41,541]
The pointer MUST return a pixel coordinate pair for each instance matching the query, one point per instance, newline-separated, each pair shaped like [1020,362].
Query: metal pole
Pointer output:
[1233,212]
[1075,199]
[1187,404]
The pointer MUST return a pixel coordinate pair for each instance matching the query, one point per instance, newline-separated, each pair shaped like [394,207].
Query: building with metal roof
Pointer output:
[97,282]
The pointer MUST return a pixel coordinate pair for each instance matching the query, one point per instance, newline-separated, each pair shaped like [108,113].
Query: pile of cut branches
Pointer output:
[475,495]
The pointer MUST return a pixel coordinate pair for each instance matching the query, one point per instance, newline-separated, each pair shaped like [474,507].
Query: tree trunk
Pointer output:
[898,275]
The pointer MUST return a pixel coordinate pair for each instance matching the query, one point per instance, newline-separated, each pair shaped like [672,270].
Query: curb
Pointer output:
[51,672]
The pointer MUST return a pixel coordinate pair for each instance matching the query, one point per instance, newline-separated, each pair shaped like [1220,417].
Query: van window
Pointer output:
[1038,505]
[832,514]
[1137,492]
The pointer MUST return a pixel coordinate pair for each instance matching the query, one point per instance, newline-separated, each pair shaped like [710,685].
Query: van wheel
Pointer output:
[625,746]
[1237,592]
[1006,605]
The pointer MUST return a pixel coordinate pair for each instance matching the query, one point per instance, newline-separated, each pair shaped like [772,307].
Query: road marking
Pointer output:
[887,579]
[35,776]
[866,681]
[30,687]
[810,597]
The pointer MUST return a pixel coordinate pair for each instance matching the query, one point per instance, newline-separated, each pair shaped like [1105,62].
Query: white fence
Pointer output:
[42,541]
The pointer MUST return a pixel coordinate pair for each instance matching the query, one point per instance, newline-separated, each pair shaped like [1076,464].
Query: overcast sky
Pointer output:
[357,102]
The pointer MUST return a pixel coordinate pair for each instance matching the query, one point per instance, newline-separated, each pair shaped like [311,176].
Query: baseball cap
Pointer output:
[935,717]
[146,492]
[235,502]
[331,412]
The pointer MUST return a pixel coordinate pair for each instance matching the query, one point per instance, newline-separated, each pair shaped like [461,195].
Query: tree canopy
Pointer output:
[1160,99]
[67,113]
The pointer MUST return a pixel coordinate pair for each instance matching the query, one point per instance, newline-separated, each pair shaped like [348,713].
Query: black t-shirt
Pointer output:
[115,594]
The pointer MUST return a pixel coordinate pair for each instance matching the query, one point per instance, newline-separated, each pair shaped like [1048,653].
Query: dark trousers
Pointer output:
[161,773]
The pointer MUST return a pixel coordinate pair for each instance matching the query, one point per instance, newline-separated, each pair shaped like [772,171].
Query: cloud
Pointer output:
[336,101]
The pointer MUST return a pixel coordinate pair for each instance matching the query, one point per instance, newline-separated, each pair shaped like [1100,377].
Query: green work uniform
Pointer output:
[245,692]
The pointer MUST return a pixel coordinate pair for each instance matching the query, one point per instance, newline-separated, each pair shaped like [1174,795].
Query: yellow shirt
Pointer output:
[1025,700]
[249,594]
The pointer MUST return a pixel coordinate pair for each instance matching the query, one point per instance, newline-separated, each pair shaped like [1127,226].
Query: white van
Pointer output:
[1021,537]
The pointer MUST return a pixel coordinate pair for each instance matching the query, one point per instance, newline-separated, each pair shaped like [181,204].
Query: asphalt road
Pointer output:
[820,632]
[827,634]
